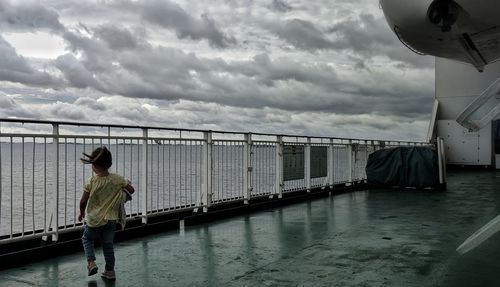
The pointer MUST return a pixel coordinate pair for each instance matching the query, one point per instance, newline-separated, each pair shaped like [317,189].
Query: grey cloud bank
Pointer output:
[312,67]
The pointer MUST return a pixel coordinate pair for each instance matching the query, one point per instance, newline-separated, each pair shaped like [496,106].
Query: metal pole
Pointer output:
[441,160]
[330,164]
[210,162]
[307,162]
[204,198]
[247,166]
[144,177]
[278,186]
[350,162]
[55,196]
[23,191]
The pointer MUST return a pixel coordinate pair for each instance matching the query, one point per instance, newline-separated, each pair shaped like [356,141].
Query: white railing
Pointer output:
[41,177]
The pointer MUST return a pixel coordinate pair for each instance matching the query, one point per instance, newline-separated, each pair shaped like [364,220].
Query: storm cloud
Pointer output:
[170,15]
[27,16]
[15,68]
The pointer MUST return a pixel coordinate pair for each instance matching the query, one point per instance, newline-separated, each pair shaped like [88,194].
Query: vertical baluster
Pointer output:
[270,168]
[258,152]
[124,144]
[247,170]
[228,192]
[65,181]
[225,168]
[84,180]
[221,172]
[330,163]
[352,161]
[206,172]
[144,175]
[55,226]
[74,182]
[32,186]
[233,179]
[117,154]
[11,188]
[279,166]
[23,187]
[131,167]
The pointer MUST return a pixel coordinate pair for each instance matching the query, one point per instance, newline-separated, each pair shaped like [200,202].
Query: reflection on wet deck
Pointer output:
[367,238]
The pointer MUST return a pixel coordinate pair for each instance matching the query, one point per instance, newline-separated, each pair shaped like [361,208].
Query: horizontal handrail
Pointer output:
[86,124]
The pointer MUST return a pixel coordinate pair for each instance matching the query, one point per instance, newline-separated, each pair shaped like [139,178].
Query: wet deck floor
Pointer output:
[367,238]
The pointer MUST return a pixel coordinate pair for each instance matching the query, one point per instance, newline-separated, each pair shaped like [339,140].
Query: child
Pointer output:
[99,206]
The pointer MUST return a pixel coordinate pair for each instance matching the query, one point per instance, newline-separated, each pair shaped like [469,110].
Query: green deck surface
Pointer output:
[367,238]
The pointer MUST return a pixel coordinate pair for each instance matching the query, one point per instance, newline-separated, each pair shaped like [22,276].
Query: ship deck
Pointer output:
[364,238]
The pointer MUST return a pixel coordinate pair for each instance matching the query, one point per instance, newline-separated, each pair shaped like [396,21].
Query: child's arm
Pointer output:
[130,188]
[83,205]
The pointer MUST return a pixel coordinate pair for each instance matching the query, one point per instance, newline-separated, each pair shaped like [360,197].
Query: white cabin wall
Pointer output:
[457,85]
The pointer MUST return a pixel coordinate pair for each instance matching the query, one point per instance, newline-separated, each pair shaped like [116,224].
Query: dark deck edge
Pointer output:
[16,254]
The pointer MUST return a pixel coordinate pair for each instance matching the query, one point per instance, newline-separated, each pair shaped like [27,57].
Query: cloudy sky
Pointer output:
[314,67]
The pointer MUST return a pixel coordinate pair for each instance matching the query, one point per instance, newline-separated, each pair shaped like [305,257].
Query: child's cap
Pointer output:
[101,156]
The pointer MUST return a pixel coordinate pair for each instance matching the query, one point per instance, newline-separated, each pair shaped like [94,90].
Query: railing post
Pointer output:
[55,236]
[330,164]
[55,223]
[367,144]
[144,176]
[441,160]
[307,164]
[350,162]
[52,218]
[278,186]
[247,168]
[205,198]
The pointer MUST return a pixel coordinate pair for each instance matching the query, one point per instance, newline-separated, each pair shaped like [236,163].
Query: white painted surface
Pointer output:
[457,85]
[464,147]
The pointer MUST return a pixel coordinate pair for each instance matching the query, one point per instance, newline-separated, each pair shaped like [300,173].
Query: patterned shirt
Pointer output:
[105,198]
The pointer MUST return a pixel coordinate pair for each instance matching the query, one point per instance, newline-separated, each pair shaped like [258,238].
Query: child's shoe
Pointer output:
[92,268]
[108,274]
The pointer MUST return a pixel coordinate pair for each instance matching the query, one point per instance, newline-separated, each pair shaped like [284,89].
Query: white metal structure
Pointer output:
[41,177]
[462,30]
[485,108]
[458,88]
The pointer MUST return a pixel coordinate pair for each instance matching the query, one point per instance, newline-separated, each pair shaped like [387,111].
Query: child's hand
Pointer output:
[81,217]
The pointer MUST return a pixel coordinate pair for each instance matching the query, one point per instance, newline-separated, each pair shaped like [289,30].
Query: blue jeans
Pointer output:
[106,234]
